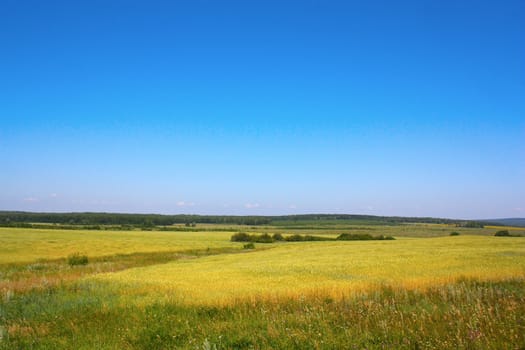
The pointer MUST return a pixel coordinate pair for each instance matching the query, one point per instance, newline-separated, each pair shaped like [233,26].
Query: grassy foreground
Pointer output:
[464,315]
[191,290]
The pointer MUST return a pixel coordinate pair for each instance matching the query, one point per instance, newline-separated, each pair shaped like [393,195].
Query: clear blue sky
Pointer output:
[410,108]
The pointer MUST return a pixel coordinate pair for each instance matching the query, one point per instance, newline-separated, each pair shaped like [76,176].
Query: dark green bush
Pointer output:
[454,233]
[264,238]
[306,238]
[355,237]
[317,238]
[502,233]
[244,237]
[77,259]
[278,237]
[363,237]
[249,246]
[241,237]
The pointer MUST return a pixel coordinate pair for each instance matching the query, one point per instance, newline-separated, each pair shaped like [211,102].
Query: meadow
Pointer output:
[199,290]
[29,245]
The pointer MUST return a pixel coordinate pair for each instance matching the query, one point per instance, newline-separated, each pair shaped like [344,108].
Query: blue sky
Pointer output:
[413,108]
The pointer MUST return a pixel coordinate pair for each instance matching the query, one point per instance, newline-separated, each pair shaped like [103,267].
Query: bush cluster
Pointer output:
[306,238]
[277,237]
[506,233]
[362,237]
[244,237]
[503,233]
[266,238]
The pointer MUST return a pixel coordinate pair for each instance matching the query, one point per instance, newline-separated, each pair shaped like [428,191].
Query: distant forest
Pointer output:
[26,219]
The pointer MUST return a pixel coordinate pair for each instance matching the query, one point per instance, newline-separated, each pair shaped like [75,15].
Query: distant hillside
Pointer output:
[520,222]
[12,218]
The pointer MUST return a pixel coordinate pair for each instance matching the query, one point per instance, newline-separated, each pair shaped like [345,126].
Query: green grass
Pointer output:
[464,315]
[198,290]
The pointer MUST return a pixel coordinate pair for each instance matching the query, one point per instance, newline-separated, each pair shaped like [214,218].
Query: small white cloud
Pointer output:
[519,209]
[292,206]
[252,205]
[53,195]
[31,199]
[185,204]
[367,208]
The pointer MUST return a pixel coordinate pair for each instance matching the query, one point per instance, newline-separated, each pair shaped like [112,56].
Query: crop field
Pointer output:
[198,290]
[332,269]
[28,245]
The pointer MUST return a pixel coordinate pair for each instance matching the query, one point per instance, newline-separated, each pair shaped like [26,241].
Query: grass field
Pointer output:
[334,269]
[28,245]
[198,290]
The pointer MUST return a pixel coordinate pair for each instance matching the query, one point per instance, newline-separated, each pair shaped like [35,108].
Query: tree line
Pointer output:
[12,218]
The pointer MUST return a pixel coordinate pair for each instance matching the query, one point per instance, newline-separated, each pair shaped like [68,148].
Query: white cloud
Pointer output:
[53,195]
[292,206]
[252,205]
[31,199]
[185,204]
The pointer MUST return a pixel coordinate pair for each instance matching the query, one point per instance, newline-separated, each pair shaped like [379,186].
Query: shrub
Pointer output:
[295,238]
[244,237]
[454,233]
[363,237]
[354,237]
[264,238]
[241,237]
[502,233]
[278,237]
[249,246]
[316,238]
[77,259]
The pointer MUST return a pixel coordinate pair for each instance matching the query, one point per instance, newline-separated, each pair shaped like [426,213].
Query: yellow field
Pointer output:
[508,228]
[331,269]
[27,245]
